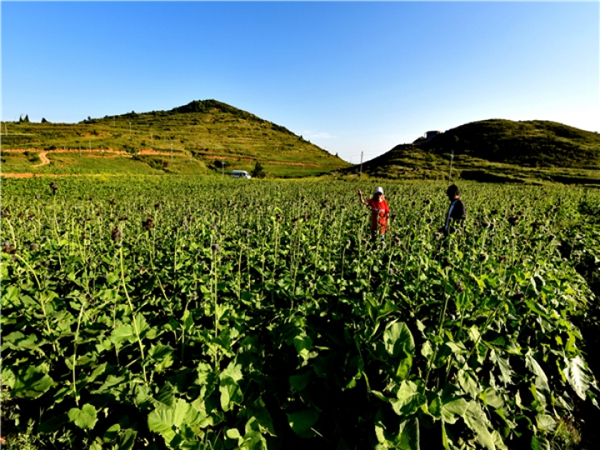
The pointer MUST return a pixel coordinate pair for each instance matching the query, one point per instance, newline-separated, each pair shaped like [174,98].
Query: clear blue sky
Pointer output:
[348,76]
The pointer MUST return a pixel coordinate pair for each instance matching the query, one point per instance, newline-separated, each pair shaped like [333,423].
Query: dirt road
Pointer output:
[44,159]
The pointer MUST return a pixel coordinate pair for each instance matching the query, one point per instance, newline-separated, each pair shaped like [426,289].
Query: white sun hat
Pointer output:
[379,190]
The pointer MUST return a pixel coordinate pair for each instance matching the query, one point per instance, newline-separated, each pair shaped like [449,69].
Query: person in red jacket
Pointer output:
[380,212]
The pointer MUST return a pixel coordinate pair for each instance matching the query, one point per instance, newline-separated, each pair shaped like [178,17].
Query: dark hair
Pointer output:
[452,191]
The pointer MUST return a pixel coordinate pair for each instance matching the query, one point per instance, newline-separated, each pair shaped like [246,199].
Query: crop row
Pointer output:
[194,314]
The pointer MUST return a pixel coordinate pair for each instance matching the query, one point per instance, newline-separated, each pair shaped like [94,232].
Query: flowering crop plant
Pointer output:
[192,313]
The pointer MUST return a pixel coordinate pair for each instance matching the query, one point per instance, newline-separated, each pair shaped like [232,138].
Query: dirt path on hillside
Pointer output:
[44,159]
[37,175]
[147,151]
[86,151]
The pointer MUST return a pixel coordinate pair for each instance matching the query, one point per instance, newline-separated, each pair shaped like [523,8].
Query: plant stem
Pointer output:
[135,327]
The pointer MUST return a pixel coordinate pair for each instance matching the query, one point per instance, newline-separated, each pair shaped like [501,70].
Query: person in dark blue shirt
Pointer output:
[456,210]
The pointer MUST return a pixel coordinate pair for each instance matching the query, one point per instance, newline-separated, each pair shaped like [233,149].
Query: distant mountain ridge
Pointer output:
[497,150]
[532,143]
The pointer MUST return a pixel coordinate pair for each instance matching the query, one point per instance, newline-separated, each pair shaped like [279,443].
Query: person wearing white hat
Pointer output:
[380,212]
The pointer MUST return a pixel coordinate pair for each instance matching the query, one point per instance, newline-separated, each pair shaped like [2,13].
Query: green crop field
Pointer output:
[203,312]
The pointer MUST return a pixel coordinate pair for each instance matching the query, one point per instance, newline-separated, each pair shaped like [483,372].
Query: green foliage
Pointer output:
[152,312]
[32,157]
[532,143]
[258,171]
[498,151]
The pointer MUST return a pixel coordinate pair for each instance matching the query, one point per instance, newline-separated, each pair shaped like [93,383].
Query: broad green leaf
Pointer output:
[167,420]
[456,347]
[500,341]
[232,433]
[112,278]
[477,421]
[506,373]
[84,418]
[435,407]
[97,372]
[539,443]
[122,334]
[127,439]
[112,433]
[453,408]
[448,409]
[468,383]
[491,397]
[303,345]
[541,380]
[513,347]
[207,379]
[577,377]
[18,339]
[474,334]
[188,320]
[537,308]
[404,367]
[302,422]
[143,397]
[141,325]
[398,339]
[259,412]
[31,383]
[497,437]
[162,355]
[427,350]
[231,393]
[300,381]
[380,434]
[409,399]
[110,384]
[408,435]
[165,397]
[8,378]
[545,423]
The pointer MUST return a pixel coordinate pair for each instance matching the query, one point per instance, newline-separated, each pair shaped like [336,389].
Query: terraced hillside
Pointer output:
[194,138]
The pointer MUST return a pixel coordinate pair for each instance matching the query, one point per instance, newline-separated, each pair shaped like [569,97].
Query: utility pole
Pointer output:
[361,160]
[129,129]
[451,159]
[171,152]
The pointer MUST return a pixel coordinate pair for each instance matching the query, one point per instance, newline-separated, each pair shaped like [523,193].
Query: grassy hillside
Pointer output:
[187,139]
[498,151]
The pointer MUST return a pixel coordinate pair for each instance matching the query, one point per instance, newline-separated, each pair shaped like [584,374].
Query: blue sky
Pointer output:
[351,77]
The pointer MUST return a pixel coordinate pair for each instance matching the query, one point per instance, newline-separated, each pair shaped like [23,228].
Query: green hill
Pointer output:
[194,138]
[497,150]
